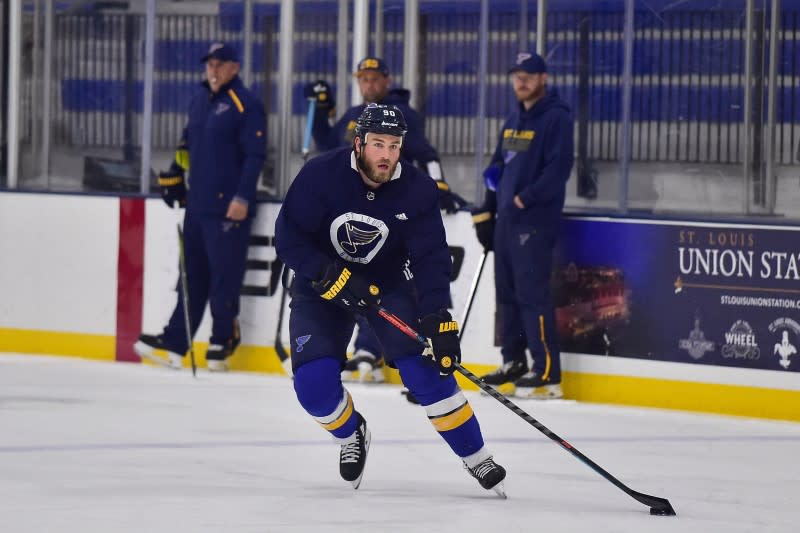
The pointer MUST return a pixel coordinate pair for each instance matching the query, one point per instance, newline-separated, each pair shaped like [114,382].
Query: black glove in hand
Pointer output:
[173,186]
[484,229]
[442,332]
[320,92]
[346,288]
[449,201]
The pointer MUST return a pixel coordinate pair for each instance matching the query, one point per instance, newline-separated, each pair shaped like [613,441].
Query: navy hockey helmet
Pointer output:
[381,118]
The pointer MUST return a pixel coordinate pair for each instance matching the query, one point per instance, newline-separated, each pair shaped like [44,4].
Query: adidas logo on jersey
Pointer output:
[401,216]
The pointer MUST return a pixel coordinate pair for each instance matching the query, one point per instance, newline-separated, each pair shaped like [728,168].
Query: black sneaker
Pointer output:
[146,346]
[217,353]
[508,373]
[353,456]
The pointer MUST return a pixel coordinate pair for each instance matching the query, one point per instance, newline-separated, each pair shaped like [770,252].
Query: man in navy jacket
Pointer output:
[223,148]
[520,219]
[374,82]
[361,229]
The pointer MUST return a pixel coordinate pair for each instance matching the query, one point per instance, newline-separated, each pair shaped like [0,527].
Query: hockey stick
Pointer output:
[184,288]
[658,506]
[283,355]
[312,106]
[472,290]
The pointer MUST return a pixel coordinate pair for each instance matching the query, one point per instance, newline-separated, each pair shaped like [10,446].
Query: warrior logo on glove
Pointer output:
[344,287]
[444,347]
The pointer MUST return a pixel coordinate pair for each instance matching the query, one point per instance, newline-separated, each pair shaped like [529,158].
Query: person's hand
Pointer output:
[442,333]
[321,93]
[484,229]
[449,201]
[491,177]
[344,287]
[518,202]
[237,210]
[172,185]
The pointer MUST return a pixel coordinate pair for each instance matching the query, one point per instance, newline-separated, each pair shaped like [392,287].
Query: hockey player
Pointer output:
[520,220]
[224,145]
[374,82]
[361,228]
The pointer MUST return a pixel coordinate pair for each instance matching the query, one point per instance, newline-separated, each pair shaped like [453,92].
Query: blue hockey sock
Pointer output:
[446,406]
[318,386]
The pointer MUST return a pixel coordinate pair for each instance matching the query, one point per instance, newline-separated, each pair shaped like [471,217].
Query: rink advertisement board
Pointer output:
[714,294]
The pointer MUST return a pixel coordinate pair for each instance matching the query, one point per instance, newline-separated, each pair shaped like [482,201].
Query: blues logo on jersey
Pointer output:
[358,238]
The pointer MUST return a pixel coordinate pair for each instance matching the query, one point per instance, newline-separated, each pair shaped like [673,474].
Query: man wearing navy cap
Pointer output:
[224,145]
[374,82]
[520,219]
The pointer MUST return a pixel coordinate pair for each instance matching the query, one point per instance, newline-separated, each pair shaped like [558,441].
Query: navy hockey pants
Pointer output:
[523,258]
[216,255]
[319,328]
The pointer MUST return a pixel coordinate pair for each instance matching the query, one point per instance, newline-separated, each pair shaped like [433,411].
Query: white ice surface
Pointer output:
[104,447]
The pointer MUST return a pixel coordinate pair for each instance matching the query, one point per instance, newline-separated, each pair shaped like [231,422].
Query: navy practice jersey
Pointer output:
[387,235]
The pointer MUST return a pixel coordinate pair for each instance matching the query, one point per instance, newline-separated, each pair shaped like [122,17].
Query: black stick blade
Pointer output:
[658,506]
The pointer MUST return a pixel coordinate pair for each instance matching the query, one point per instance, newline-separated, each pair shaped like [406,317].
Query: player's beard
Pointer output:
[374,175]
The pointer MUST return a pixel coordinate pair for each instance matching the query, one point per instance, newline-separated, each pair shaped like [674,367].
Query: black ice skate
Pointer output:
[502,378]
[218,353]
[146,348]
[489,474]
[353,456]
[531,385]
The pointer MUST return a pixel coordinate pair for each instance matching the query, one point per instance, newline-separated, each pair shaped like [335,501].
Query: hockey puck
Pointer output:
[661,512]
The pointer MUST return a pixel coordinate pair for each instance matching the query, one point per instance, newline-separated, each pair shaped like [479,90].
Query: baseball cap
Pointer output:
[529,62]
[372,63]
[221,51]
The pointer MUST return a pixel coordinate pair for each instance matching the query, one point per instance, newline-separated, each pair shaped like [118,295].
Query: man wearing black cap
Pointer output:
[520,218]
[374,82]
[224,145]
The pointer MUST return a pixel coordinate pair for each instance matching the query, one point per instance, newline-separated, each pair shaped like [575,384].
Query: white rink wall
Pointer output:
[59,262]
[60,279]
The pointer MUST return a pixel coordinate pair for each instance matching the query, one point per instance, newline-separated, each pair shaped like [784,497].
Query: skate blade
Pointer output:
[500,490]
[367,439]
[145,353]
[539,393]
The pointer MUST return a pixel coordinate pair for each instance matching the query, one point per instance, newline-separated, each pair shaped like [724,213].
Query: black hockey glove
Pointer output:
[173,186]
[320,92]
[449,201]
[346,288]
[442,333]
[484,228]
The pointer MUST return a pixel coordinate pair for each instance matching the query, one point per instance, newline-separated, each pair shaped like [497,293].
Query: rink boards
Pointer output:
[641,323]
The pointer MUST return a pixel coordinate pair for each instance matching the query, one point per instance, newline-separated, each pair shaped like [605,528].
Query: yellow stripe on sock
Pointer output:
[452,420]
[344,417]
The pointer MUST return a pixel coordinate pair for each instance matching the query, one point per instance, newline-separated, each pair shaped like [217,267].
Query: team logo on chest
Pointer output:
[358,238]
